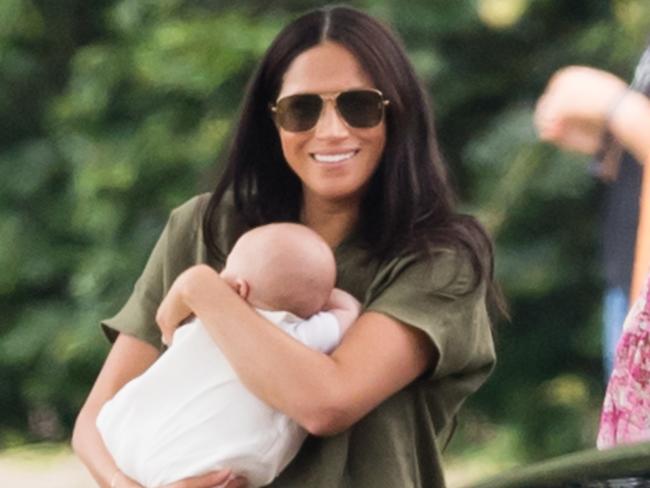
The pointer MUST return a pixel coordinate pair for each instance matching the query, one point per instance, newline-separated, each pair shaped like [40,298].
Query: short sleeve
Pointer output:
[437,294]
[179,246]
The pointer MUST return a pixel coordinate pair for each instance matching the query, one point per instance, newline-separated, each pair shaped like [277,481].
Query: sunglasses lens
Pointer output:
[298,113]
[361,108]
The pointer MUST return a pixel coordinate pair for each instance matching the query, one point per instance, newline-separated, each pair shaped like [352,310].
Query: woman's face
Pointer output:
[333,161]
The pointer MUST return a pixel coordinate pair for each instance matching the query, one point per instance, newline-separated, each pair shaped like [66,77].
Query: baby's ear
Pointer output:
[242,288]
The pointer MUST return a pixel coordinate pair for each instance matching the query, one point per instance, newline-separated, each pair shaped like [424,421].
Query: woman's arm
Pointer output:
[325,394]
[128,358]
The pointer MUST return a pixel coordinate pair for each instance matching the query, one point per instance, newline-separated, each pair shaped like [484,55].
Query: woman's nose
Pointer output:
[330,124]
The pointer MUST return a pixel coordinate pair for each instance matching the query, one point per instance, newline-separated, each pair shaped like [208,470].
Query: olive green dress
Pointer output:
[398,443]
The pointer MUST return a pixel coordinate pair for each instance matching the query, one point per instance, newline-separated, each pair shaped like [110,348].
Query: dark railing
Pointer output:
[620,467]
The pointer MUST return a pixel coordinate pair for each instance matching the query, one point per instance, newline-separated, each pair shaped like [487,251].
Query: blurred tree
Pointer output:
[114,111]
[38,247]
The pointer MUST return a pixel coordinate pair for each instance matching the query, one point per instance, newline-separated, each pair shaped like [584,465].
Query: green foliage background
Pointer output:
[112,112]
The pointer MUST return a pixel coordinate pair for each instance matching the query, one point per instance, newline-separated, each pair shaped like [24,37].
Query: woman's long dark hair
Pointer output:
[409,203]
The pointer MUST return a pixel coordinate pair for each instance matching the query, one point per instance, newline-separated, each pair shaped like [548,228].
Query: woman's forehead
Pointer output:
[324,68]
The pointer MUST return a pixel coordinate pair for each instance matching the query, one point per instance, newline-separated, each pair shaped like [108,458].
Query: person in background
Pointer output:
[622,175]
[579,106]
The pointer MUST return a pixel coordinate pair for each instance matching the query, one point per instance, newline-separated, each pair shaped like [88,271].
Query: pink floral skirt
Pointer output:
[626,410]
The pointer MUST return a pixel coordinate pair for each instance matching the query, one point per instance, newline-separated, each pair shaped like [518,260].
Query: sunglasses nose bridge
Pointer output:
[330,122]
[328,100]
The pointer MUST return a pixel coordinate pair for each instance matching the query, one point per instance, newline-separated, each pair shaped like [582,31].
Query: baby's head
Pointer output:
[282,266]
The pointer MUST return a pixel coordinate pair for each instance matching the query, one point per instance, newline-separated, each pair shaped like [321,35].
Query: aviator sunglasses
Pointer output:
[360,109]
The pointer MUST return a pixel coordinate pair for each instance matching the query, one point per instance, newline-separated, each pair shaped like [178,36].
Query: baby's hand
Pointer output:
[345,308]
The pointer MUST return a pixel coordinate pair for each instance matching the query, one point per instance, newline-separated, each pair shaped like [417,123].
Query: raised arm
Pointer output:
[580,103]
[325,394]
[577,107]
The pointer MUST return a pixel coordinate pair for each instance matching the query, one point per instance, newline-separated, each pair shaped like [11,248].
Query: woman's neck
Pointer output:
[333,221]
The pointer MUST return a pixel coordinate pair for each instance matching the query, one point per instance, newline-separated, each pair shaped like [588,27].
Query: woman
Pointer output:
[578,107]
[335,133]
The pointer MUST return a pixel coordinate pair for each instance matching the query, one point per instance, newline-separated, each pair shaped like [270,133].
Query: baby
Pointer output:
[189,413]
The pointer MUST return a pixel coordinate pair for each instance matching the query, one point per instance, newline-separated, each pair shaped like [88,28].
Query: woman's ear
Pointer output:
[242,288]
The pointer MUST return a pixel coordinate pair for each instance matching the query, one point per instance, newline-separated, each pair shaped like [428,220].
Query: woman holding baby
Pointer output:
[335,133]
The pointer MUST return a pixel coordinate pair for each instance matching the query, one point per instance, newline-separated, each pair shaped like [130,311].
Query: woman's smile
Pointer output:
[333,157]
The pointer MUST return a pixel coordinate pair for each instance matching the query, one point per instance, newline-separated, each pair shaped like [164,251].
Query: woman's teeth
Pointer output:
[333,158]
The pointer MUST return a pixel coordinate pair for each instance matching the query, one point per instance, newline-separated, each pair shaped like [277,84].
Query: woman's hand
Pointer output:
[221,479]
[575,107]
[215,479]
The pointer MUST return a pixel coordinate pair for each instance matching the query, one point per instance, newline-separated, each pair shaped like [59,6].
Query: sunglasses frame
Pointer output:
[330,96]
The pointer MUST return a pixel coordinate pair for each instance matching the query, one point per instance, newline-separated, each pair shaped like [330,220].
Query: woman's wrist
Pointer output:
[114,479]
[615,105]
[629,122]
[120,480]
